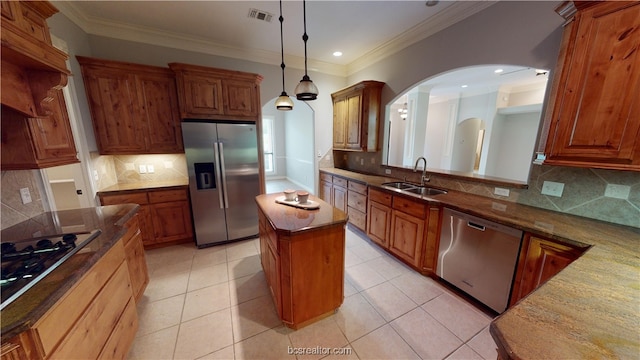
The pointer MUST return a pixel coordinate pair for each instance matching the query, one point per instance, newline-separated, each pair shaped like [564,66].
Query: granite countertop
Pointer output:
[287,219]
[144,185]
[591,309]
[35,302]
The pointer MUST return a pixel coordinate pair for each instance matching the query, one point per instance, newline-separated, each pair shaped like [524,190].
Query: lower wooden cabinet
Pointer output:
[540,260]
[347,195]
[136,261]
[339,193]
[165,215]
[407,228]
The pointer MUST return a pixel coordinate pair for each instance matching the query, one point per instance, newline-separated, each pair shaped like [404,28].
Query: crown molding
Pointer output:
[135,33]
[456,12]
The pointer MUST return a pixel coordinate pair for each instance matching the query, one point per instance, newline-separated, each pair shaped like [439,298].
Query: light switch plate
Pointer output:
[150,169]
[501,191]
[143,169]
[387,171]
[617,191]
[552,188]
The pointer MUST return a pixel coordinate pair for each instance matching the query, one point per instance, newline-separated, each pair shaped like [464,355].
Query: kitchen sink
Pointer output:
[426,191]
[399,185]
[413,189]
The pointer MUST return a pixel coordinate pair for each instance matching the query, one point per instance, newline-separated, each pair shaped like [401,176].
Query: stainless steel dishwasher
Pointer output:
[478,257]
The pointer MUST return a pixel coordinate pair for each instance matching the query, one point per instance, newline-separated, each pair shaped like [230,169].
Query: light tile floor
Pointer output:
[214,303]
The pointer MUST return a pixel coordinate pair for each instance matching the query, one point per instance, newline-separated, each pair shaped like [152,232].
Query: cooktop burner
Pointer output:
[26,262]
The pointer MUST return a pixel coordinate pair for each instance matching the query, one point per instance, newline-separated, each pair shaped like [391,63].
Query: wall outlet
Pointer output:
[150,169]
[552,188]
[617,191]
[142,169]
[387,171]
[361,161]
[501,191]
[25,195]
[95,175]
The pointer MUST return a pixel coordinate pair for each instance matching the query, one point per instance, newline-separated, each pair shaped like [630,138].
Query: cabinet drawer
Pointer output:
[380,197]
[357,187]
[357,218]
[340,182]
[139,198]
[58,321]
[326,177]
[167,196]
[357,201]
[409,207]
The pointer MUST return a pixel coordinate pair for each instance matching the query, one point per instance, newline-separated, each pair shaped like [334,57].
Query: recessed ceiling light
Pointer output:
[464,86]
[337,53]
[498,71]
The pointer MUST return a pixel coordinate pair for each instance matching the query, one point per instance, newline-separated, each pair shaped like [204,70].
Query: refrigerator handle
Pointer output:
[217,167]
[224,175]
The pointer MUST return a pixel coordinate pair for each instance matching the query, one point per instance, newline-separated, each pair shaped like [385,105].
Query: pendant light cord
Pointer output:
[305,37]
[282,66]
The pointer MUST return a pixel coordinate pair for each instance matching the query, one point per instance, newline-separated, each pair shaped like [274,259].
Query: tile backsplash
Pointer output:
[607,195]
[13,210]
[125,169]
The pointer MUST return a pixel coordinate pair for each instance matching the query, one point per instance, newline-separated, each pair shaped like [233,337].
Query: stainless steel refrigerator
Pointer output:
[222,162]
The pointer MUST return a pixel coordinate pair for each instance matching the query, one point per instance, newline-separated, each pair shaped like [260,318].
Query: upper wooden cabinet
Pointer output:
[134,107]
[594,117]
[356,115]
[36,132]
[209,93]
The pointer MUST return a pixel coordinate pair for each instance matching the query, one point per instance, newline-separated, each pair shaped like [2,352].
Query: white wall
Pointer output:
[299,145]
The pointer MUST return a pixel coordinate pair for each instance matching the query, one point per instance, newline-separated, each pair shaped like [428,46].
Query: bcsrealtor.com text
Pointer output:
[318,350]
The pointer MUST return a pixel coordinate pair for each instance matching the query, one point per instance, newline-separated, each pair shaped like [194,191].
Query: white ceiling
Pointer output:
[365,31]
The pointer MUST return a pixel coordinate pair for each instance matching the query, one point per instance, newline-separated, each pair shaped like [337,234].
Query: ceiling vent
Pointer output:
[260,15]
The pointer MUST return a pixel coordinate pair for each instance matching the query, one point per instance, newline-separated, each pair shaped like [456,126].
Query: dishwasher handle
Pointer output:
[476,226]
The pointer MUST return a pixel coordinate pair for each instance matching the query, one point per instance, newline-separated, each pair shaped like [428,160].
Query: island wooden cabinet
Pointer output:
[594,117]
[210,93]
[38,142]
[356,115]
[134,107]
[136,261]
[302,254]
[165,215]
[540,259]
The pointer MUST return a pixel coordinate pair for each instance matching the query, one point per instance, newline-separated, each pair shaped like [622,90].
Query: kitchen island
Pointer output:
[302,254]
[86,307]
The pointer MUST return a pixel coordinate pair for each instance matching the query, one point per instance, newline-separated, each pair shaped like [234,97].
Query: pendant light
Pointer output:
[283,102]
[306,89]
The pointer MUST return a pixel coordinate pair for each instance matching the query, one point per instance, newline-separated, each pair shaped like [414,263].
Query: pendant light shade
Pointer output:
[306,89]
[283,102]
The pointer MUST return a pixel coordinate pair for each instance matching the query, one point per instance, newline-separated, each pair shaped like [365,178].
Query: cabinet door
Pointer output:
[432,241]
[272,272]
[240,98]
[115,110]
[159,103]
[541,260]
[407,232]
[171,221]
[202,96]
[379,223]
[340,124]
[325,192]
[52,136]
[596,116]
[339,198]
[354,121]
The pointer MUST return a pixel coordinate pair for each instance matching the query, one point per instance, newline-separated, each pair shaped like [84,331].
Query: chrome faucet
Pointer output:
[424,176]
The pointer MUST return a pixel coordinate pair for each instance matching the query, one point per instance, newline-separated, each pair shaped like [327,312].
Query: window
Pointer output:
[268,142]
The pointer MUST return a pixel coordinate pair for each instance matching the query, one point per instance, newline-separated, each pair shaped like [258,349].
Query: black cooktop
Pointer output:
[26,262]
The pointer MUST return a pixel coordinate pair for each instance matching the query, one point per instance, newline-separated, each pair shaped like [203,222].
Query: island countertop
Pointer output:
[22,313]
[287,219]
[591,309]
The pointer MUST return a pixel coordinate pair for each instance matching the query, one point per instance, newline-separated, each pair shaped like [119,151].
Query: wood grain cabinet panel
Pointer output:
[38,142]
[136,260]
[407,237]
[134,107]
[540,260]
[217,94]
[594,120]
[356,116]
[378,222]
